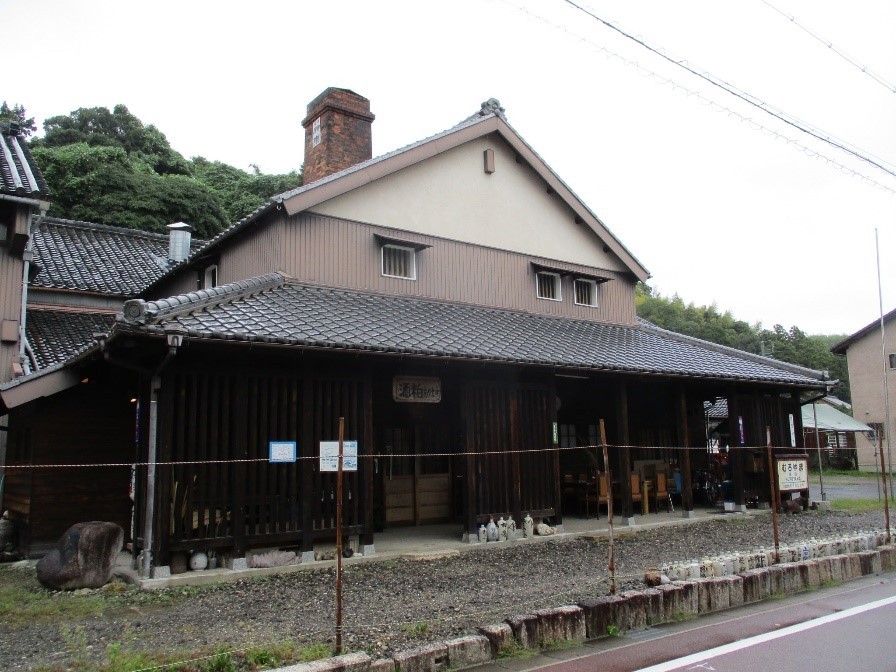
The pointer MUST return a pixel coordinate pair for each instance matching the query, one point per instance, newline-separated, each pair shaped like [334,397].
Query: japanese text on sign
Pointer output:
[329,456]
[282,451]
[793,474]
[417,389]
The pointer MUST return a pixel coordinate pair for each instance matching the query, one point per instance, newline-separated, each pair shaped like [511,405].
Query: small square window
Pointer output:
[547,285]
[210,277]
[315,133]
[892,358]
[586,292]
[399,262]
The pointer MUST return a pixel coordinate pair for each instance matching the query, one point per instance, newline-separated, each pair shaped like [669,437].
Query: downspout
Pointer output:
[155,385]
[27,255]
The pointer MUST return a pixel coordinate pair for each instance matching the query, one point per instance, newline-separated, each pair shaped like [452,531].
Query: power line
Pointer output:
[830,45]
[718,107]
[744,96]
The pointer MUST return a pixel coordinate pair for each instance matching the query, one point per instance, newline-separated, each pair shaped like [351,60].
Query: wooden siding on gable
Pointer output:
[338,253]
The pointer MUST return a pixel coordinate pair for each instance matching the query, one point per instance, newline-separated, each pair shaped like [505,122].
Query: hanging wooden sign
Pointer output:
[416,389]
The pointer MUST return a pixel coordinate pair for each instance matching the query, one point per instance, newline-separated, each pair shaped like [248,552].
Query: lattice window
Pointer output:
[547,285]
[586,292]
[399,262]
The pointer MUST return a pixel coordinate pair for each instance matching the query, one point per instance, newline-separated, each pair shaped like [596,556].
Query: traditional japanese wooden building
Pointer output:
[453,301]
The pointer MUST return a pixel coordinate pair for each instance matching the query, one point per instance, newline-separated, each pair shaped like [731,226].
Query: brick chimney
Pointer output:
[337,133]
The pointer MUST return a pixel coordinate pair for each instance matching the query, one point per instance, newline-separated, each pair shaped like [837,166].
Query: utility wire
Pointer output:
[830,45]
[744,96]
[718,107]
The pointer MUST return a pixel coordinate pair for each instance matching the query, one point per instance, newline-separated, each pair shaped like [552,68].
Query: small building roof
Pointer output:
[97,258]
[272,309]
[19,174]
[831,420]
[55,336]
[841,347]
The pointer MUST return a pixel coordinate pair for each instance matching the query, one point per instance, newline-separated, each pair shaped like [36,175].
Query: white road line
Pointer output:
[704,656]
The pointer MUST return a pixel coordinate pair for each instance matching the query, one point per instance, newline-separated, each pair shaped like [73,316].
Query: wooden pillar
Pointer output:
[240,445]
[738,441]
[367,465]
[555,461]
[624,453]
[515,474]
[470,484]
[687,492]
[307,472]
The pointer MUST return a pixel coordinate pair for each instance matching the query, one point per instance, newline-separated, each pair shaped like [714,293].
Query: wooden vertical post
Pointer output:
[773,477]
[515,472]
[612,564]
[367,441]
[308,494]
[339,539]
[687,492]
[625,459]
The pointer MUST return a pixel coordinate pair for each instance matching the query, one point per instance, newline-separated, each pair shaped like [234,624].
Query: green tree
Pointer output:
[707,323]
[239,191]
[16,114]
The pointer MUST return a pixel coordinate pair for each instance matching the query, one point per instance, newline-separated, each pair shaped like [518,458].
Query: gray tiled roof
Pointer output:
[19,174]
[272,310]
[97,258]
[56,336]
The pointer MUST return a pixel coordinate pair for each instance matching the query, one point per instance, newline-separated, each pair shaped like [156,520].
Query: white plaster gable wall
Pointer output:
[451,196]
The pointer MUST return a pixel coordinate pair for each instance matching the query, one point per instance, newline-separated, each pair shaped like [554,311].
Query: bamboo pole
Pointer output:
[612,564]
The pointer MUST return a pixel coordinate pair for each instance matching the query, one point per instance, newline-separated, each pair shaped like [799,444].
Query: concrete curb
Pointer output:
[613,614]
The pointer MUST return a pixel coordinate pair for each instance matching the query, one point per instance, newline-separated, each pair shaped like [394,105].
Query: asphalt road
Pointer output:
[846,627]
[845,487]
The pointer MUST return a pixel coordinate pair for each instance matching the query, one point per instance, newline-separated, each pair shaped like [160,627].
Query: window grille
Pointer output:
[586,292]
[547,286]
[399,262]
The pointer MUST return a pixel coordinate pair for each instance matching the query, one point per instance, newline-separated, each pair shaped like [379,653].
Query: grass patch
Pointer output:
[561,644]
[613,630]
[858,505]
[512,650]
[420,629]
[846,473]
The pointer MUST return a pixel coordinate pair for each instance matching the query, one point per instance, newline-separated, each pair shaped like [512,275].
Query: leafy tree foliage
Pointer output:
[108,167]
[706,322]
[16,114]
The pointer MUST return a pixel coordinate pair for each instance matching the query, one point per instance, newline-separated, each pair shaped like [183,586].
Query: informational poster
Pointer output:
[329,456]
[792,432]
[793,474]
[282,451]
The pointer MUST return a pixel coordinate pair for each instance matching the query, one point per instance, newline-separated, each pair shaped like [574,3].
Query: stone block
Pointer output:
[839,568]
[755,584]
[811,574]
[382,665]
[690,600]
[499,636]
[599,614]
[855,565]
[887,557]
[735,589]
[426,658]
[673,602]
[775,580]
[633,610]
[469,651]
[824,570]
[351,662]
[869,562]
[525,630]
[560,624]
[791,578]
[713,595]
[655,608]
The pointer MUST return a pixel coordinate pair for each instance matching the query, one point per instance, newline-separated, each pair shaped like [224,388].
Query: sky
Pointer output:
[723,203]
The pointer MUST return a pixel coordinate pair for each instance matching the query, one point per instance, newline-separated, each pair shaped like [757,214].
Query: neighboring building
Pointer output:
[872,370]
[836,433]
[453,301]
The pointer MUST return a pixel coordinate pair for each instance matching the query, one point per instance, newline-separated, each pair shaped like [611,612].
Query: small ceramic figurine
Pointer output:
[528,527]
[492,530]
[483,534]
[511,530]
[502,529]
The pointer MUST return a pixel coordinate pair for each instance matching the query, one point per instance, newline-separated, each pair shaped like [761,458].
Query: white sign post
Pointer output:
[793,474]
[329,456]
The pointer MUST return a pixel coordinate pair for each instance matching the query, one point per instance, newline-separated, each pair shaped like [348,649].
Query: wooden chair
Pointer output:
[636,488]
[661,493]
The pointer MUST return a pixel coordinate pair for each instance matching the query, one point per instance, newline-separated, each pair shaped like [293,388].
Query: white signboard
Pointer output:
[329,456]
[282,451]
[793,474]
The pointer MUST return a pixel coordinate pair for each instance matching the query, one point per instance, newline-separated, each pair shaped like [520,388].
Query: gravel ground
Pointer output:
[395,605]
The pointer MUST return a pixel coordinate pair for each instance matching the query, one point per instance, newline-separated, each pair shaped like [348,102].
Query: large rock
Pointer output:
[83,558]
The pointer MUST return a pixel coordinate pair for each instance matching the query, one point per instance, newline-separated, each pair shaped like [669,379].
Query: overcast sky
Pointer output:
[717,208]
